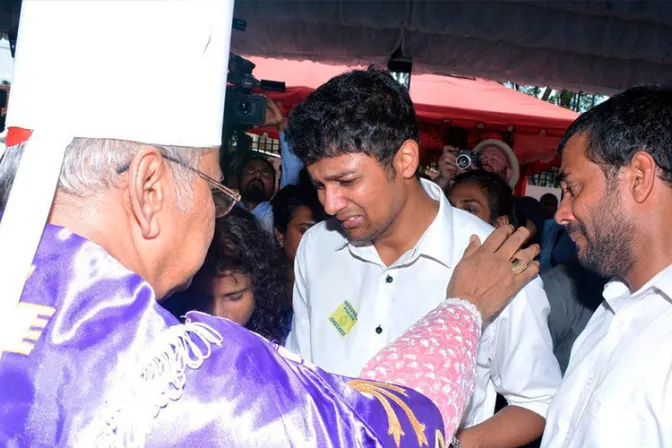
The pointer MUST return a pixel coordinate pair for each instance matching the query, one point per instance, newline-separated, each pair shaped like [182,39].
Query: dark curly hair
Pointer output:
[362,111]
[241,245]
[500,196]
[292,197]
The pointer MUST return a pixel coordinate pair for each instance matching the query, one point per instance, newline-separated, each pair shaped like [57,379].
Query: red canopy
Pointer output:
[486,107]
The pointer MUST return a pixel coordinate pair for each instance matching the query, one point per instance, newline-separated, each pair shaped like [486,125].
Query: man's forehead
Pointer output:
[259,162]
[574,152]
[339,166]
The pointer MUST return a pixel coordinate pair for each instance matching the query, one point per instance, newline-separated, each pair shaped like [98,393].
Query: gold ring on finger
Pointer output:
[518,266]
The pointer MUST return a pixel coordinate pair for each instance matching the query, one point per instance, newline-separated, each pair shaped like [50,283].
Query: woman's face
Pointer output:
[231,296]
[470,197]
[301,221]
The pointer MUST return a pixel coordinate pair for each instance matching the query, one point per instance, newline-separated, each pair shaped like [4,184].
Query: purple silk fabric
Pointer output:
[247,393]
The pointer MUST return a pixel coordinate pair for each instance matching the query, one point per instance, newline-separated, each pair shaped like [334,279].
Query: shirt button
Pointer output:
[389,279]
[379,329]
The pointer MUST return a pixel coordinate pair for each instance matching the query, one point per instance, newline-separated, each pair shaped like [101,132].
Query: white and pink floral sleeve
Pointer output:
[436,357]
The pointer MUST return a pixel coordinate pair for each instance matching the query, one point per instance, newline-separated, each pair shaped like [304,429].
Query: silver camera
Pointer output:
[466,159]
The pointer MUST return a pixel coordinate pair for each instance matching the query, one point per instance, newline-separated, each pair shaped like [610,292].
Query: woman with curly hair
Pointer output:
[243,279]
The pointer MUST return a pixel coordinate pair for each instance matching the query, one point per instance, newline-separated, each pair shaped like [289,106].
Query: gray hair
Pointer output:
[90,166]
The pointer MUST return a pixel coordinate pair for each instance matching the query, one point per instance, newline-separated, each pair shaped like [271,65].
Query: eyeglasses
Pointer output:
[224,198]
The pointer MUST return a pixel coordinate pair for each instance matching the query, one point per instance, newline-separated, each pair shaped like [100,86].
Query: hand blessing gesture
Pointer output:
[492,273]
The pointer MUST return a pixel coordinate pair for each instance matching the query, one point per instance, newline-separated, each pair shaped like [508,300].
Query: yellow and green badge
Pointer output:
[344,318]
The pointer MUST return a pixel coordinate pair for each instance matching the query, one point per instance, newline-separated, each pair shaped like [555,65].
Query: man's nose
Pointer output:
[564,215]
[332,201]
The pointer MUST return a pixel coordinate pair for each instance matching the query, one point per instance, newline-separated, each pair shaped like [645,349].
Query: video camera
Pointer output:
[242,108]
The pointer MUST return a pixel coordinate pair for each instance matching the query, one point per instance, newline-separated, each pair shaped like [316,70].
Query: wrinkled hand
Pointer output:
[485,277]
[274,116]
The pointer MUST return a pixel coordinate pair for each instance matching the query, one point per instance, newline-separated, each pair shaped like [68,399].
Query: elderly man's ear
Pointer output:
[147,186]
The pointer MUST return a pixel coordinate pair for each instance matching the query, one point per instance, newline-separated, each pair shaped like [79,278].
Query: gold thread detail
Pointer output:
[26,326]
[382,392]
[440,441]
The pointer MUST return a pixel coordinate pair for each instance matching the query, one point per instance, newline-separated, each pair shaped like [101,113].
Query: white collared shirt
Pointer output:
[617,389]
[516,354]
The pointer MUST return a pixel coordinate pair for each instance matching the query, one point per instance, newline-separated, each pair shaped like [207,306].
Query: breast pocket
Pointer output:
[610,423]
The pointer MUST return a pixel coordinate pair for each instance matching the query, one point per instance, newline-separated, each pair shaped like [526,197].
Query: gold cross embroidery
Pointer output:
[25,326]
[383,392]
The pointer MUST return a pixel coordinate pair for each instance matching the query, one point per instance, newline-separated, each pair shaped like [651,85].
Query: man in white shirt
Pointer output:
[385,260]
[617,178]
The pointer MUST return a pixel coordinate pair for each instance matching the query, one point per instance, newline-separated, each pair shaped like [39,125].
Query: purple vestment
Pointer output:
[97,362]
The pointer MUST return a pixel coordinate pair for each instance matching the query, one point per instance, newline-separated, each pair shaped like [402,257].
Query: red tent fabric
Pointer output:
[485,107]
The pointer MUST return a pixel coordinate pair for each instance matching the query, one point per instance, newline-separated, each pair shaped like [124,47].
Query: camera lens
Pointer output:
[244,108]
[463,161]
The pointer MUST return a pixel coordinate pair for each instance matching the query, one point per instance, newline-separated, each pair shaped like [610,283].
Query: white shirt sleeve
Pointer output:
[524,369]
[298,340]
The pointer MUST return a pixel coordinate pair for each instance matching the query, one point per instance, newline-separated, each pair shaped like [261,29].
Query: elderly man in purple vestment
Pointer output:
[88,356]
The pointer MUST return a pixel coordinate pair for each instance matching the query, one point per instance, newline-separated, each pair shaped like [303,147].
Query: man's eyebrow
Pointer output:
[339,176]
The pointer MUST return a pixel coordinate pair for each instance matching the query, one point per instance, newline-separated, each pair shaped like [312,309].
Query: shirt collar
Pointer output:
[434,243]
[437,241]
[617,294]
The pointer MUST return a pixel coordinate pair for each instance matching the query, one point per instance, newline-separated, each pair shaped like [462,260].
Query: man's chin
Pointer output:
[254,196]
[357,235]
[582,251]
[591,261]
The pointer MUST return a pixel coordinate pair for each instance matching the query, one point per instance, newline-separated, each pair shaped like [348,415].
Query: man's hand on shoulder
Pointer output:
[490,274]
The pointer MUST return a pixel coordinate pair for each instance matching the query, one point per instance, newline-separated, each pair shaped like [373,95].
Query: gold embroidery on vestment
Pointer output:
[383,392]
[27,323]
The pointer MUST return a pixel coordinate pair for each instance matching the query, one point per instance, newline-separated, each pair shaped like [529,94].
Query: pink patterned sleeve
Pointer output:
[436,357]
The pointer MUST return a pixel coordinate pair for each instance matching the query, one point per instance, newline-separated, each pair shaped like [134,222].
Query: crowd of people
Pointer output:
[360,304]
[523,352]
[359,279]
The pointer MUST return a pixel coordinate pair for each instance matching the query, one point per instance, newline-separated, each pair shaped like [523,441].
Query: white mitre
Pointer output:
[151,71]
